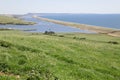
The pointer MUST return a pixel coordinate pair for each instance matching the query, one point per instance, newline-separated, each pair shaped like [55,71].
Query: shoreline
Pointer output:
[97,29]
[10,20]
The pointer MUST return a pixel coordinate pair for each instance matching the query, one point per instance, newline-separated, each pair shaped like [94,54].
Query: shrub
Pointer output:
[79,38]
[113,42]
[61,35]
[5,44]
[4,67]
[49,32]
[82,38]
[74,37]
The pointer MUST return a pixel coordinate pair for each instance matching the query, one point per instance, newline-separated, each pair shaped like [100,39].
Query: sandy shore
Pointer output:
[102,30]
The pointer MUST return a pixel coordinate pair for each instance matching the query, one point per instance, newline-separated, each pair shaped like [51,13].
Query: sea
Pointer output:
[103,20]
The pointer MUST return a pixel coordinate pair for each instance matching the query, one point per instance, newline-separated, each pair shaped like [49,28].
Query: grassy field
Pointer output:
[73,56]
[10,20]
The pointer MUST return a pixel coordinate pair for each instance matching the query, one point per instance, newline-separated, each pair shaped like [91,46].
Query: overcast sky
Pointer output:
[59,6]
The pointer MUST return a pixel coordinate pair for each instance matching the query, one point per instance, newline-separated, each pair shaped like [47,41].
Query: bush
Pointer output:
[61,35]
[82,38]
[113,42]
[74,37]
[79,38]
[5,44]
[4,67]
[49,32]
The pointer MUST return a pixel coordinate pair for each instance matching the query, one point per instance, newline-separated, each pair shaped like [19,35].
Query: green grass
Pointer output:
[10,20]
[73,56]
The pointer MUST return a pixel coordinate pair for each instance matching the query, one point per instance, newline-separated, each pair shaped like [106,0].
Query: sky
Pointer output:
[59,6]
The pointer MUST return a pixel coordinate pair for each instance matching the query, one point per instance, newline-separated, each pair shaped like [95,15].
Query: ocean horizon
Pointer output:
[103,20]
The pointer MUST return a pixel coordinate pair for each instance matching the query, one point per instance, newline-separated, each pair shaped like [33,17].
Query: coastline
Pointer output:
[97,29]
[10,20]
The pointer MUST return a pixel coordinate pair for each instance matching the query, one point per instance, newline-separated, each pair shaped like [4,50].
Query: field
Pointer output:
[10,20]
[68,56]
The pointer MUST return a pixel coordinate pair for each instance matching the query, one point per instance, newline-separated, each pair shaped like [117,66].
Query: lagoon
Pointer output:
[43,26]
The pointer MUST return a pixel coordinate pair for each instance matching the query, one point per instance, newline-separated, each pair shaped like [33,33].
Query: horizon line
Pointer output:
[51,13]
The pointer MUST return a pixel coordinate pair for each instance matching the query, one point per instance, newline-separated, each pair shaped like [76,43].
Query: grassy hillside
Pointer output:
[28,56]
[10,20]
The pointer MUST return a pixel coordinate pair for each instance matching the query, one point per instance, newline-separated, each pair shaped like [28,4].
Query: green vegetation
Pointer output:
[10,20]
[73,56]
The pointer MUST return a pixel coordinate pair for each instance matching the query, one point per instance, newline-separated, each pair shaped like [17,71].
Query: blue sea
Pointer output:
[104,20]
